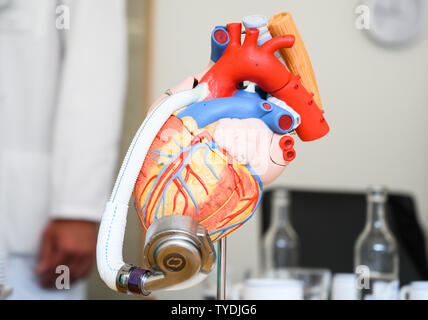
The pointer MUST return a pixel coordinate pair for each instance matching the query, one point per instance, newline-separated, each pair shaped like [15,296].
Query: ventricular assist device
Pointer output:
[197,165]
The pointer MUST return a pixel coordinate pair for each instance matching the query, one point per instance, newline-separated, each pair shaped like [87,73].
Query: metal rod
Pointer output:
[221,270]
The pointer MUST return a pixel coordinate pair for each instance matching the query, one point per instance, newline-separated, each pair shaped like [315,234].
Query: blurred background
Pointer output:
[375,95]
[135,111]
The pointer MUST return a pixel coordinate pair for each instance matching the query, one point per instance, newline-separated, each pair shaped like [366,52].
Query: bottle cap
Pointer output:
[377,193]
[281,194]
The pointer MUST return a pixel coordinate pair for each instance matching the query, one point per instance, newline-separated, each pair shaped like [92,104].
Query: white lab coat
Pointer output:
[61,99]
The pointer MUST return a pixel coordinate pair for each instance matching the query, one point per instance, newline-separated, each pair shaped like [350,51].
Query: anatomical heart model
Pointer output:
[197,166]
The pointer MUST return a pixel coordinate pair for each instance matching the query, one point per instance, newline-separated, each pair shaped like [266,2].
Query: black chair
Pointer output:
[328,224]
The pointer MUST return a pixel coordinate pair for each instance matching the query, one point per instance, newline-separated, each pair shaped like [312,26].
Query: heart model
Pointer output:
[207,150]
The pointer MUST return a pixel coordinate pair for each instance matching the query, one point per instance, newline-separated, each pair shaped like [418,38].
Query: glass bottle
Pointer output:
[375,252]
[281,243]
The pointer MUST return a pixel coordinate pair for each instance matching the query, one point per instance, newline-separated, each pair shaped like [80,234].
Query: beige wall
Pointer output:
[376,99]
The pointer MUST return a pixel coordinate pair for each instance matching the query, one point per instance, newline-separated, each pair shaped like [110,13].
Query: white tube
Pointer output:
[113,222]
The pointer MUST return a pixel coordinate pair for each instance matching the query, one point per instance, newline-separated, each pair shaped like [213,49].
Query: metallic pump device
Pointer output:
[177,252]
[191,183]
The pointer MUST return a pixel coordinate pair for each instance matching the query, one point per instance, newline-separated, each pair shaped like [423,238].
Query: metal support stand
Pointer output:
[221,269]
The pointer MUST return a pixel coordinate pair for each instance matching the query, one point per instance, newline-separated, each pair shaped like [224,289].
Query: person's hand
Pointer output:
[67,242]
